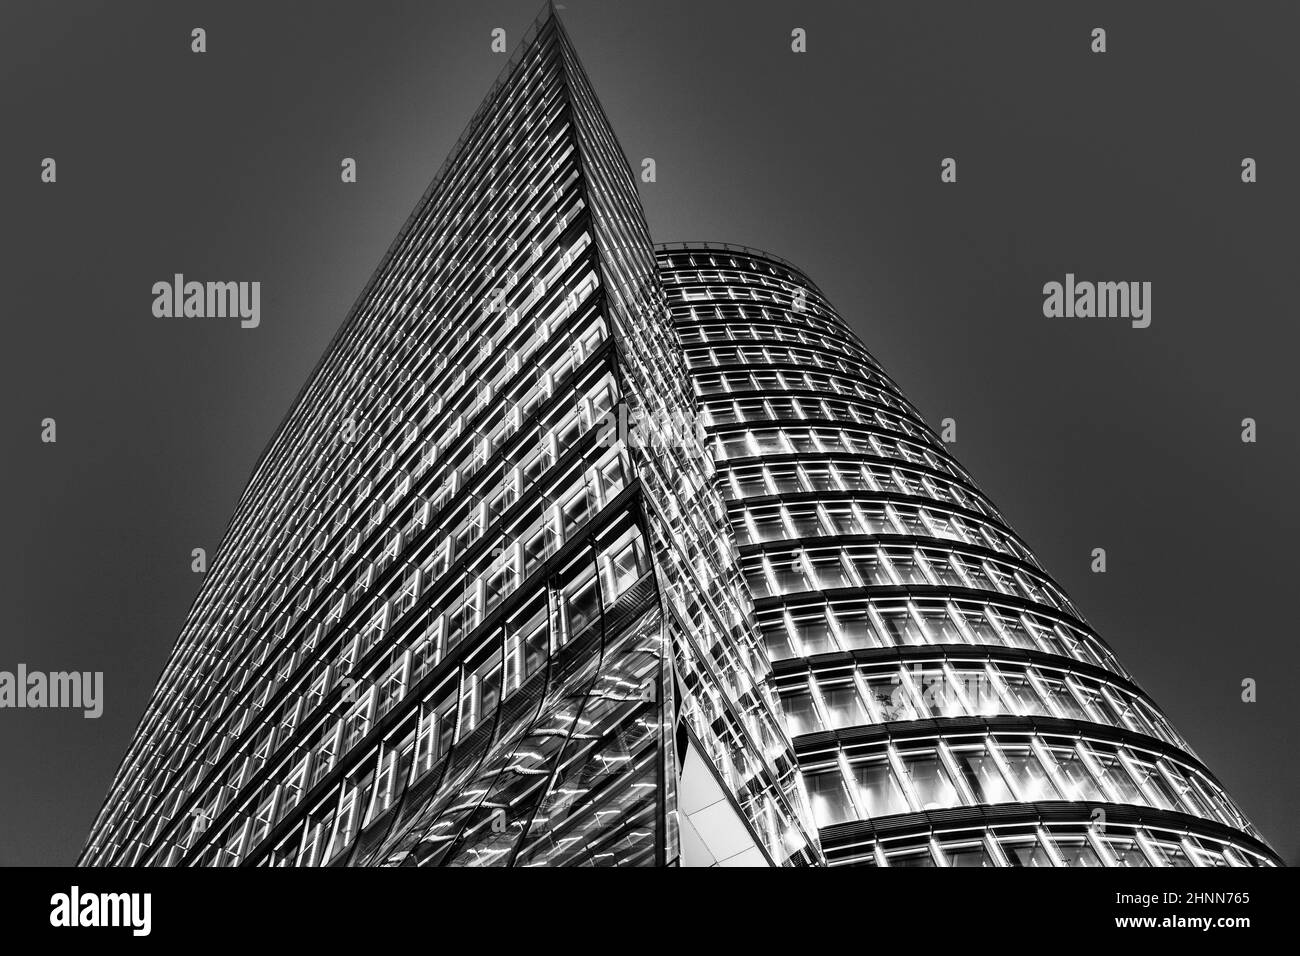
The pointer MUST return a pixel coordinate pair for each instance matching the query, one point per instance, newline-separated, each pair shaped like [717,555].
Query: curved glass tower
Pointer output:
[948,704]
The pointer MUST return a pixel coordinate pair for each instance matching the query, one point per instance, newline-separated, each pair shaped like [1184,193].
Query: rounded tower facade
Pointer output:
[947,702]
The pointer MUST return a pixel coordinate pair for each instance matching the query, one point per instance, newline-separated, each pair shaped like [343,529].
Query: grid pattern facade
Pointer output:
[449,619]
[948,704]
[431,528]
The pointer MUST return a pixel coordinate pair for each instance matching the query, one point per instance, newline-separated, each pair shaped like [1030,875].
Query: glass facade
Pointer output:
[577,551]
[947,703]
[451,618]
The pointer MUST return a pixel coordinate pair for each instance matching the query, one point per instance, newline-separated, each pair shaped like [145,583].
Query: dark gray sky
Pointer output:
[1088,433]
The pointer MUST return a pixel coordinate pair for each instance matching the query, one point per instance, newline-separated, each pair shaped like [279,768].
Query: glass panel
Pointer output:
[800,717]
[877,790]
[982,775]
[829,798]
[916,857]
[1032,782]
[1127,852]
[1114,774]
[1074,776]
[843,705]
[930,781]
[973,854]
[1076,851]
[1026,853]
[888,696]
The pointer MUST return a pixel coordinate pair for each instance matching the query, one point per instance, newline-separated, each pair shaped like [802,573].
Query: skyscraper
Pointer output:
[492,597]
[949,705]
[450,619]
